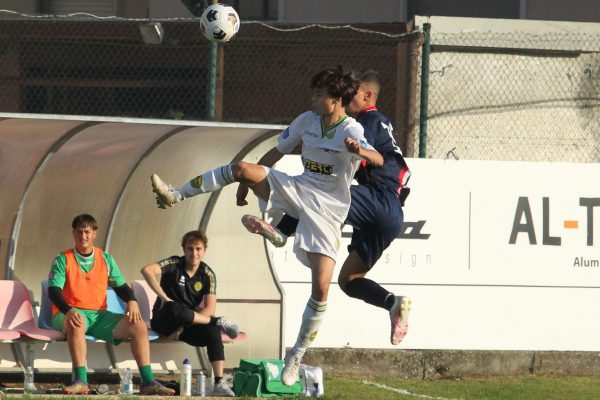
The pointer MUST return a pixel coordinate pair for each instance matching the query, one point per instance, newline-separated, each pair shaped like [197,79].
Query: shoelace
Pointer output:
[294,363]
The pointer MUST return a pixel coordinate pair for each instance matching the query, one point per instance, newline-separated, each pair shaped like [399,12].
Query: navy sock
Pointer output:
[369,291]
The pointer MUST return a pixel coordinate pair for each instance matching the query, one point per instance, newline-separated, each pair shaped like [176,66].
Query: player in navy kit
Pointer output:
[375,210]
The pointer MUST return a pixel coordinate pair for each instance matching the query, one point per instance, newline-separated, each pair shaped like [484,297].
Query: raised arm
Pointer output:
[373,157]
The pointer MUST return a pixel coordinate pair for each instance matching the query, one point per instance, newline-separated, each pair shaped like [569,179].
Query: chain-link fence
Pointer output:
[81,65]
[505,96]
[514,96]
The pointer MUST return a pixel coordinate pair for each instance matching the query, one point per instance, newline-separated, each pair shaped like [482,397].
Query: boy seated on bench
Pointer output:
[77,286]
[187,301]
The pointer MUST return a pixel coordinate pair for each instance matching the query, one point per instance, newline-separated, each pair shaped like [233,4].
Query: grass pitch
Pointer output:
[499,388]
[372,388]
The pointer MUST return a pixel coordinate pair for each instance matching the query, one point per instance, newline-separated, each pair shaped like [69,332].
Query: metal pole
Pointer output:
[212,79]
[212,82]
[424,91]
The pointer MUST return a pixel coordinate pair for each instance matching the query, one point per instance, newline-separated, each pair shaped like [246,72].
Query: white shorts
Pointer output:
[318,230]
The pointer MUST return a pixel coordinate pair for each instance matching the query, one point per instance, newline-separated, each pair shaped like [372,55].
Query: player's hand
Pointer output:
[165,301]
[73,319]
[352,145]
[133,311]
[242,193]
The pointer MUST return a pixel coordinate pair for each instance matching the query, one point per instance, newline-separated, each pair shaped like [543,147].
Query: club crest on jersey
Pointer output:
[196,182]
[198,286]
[317,167]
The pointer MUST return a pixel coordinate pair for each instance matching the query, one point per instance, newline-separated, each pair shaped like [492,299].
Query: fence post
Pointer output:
[424,91]
[212,82]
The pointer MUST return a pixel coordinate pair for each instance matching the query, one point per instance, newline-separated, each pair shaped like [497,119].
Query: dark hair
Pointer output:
[369,76]
[195,236]
[337,83]
[83,221]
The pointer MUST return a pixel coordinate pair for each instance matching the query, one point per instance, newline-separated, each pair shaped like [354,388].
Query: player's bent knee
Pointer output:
[342,283]
[239,170]
[141,327]
[75,330]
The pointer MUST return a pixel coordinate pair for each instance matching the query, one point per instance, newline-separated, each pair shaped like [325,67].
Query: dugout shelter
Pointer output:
[55,167]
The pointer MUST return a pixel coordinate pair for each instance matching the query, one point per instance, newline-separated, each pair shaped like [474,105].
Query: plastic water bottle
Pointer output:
[127,382]
[200,385]
[185,388]
[102,389]
[28,384]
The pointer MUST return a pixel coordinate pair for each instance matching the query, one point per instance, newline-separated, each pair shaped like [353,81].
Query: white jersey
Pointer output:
[328,166]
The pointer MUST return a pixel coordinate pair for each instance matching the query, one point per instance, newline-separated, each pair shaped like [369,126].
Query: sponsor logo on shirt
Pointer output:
[317,167]
[182,281]
[286,133]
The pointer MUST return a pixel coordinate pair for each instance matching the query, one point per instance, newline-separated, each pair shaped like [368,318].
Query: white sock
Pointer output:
[311,322]
[209,181]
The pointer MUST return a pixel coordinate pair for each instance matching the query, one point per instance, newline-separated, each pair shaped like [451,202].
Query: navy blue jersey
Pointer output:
[394,173]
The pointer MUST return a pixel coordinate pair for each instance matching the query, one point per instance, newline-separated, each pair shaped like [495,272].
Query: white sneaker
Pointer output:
[289,375]
[230,329]
[166,195]
[399,318]
[222,390]
[257,225]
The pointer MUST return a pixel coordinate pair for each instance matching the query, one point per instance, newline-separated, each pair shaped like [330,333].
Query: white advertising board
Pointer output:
[495,255]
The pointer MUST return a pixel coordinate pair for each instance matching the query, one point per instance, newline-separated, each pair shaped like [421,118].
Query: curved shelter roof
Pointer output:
[53,168]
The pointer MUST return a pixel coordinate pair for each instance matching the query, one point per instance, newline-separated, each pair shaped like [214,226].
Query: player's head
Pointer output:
[196,236]
[84,232]
[367,93]
[194,245]
[84,221]
[333,88]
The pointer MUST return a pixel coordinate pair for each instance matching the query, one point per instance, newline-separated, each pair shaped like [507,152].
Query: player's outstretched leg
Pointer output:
[209,181]
[399,318]
[257,225]
[166,195]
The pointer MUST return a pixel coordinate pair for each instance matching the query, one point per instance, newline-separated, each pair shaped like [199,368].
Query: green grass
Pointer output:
[502,388]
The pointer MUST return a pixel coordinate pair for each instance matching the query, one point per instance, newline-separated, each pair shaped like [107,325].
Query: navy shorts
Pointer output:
[377,218]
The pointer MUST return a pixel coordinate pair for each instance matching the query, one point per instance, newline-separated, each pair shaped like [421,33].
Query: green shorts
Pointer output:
[100,324]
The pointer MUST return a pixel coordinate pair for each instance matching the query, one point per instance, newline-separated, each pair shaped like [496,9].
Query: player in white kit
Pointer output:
[333,144]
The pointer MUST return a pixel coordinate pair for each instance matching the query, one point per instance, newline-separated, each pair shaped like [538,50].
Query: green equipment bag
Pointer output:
[262,378]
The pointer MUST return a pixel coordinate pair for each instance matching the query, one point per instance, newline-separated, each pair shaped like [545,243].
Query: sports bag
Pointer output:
[262,378]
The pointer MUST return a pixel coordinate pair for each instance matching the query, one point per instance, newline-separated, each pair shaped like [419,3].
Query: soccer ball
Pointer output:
[219,23]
